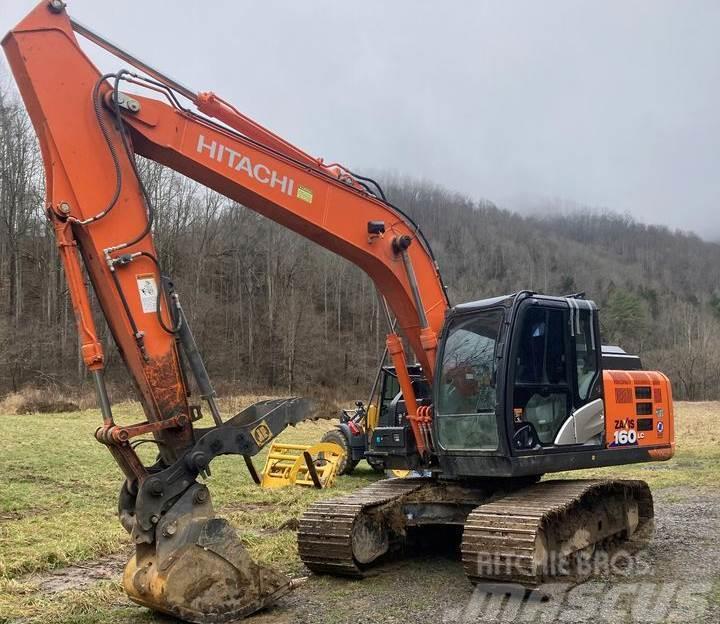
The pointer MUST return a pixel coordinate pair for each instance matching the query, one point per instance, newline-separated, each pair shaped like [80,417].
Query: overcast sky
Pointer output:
[612,104]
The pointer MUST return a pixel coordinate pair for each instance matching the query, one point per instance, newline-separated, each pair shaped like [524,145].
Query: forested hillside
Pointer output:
[273,311]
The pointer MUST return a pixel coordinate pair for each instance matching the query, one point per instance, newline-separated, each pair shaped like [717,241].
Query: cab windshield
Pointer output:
[467,385]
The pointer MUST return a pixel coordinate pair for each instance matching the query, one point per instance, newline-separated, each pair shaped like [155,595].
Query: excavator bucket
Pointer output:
[297,464]
[193,565]
[198,570]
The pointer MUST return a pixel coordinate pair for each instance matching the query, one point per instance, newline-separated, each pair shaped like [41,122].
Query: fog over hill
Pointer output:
[538,205]
[658,289]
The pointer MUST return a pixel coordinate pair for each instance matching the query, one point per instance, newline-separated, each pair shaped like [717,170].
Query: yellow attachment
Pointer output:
[372,417]
[287,464]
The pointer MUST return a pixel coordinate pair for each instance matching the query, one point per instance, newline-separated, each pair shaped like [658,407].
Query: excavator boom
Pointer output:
[90,128]
[91,172]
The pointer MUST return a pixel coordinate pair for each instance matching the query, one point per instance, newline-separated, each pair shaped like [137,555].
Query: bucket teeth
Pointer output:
[197,568]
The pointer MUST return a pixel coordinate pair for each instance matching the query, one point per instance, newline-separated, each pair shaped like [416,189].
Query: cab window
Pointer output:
[542,392]
[467,386]
[391,387]
[585,354]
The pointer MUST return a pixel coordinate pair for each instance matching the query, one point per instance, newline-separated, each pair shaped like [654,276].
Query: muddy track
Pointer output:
[681,556]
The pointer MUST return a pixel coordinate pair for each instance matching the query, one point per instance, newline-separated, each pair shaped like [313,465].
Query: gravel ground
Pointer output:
[672,575]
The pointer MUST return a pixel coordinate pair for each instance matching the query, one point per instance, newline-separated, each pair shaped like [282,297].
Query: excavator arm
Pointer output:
[90,127]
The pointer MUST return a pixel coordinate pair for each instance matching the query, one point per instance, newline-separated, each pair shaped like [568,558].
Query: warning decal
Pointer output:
[147,287]
[304,193]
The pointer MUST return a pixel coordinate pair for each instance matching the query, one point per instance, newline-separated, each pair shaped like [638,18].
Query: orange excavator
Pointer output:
[499,391]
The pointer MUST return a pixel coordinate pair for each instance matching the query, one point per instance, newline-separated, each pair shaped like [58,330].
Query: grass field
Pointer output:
[57,505]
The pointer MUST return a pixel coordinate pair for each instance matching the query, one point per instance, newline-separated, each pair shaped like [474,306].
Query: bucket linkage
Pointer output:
[189,563]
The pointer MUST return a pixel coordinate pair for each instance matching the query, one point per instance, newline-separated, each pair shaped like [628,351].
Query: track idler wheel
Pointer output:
[197,569]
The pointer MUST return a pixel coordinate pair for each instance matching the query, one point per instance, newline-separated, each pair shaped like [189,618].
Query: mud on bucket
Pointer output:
[198,570]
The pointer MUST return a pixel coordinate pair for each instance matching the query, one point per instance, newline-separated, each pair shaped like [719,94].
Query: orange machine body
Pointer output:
[639,411]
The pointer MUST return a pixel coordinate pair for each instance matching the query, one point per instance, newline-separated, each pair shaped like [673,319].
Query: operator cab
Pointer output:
[519,391]
[514,370]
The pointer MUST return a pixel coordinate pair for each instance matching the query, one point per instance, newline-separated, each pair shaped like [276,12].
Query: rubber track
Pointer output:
[504,532]
[325,532]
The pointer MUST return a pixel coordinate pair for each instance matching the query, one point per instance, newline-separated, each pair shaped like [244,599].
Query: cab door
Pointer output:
[587,422]
[553,372]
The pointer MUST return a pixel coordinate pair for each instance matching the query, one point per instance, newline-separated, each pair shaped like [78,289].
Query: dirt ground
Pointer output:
[669,574]
[684,550]
[677,567]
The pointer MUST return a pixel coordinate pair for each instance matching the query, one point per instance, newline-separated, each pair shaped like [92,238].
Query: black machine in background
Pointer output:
[386,411]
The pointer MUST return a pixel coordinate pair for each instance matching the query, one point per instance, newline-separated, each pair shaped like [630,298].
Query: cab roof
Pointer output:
[509,300]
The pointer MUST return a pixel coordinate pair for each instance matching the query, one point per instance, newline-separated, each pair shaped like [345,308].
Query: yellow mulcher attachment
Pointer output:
[298,464]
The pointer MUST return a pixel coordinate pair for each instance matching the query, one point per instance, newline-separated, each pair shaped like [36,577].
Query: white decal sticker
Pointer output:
[147,286]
